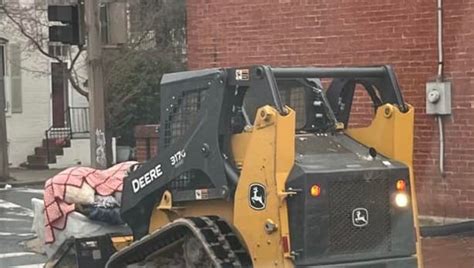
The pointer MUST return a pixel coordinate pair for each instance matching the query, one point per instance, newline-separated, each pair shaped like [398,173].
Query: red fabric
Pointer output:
[56,209]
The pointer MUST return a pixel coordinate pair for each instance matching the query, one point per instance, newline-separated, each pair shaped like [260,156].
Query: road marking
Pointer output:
[12,206]
[8,205]
[13,219]
[15,234]
[21,213]
[15,254]
[37,265]
[32,191]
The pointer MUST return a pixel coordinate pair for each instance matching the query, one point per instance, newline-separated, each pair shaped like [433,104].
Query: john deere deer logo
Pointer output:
[360,217]
[257,196]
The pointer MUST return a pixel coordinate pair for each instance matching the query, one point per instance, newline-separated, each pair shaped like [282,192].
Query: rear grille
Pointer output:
[344,197]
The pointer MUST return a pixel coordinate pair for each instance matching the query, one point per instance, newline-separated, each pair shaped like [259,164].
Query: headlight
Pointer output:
[401,200]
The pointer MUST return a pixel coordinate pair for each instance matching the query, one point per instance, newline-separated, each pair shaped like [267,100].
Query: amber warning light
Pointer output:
[315,190]
[401,185]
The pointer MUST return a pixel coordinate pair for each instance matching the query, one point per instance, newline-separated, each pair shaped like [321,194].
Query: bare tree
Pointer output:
[156,44]
[156,26]
[30,21]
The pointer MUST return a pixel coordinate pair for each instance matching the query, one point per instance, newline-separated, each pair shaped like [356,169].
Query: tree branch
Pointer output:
[76,86]
[27,35]
[73,61]
[37,44]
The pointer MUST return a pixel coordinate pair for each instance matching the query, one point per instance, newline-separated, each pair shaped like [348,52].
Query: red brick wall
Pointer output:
[357,32]
[146,142]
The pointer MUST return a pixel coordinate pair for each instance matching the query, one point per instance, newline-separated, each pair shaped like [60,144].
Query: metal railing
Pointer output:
[76,122]
[56,137]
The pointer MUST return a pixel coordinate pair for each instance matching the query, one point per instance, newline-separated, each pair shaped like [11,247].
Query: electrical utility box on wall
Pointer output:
[438,98]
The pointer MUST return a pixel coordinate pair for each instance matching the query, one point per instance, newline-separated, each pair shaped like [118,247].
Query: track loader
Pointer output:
[259,167]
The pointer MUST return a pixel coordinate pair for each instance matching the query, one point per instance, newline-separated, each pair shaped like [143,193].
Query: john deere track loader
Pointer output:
[259,166]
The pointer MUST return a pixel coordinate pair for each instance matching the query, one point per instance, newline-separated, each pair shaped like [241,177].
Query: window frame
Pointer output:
[6,77]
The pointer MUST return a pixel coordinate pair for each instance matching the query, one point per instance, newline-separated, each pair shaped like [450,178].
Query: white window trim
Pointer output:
[4,44]
[8,96]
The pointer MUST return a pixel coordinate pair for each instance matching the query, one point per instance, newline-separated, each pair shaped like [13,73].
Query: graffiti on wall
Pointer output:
[100,156]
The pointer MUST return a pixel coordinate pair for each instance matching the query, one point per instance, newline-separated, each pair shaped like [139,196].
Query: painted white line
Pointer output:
[21,211]
[37,265]
[15,254]
[32,191]
[8,205]
[12,219]
[16,234]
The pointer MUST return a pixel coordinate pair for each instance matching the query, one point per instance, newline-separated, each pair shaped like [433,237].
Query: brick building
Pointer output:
[359,32]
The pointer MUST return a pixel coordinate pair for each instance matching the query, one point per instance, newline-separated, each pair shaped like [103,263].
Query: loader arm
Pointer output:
[145,186]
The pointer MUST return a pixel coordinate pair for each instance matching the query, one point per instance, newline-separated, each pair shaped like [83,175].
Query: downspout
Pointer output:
[439,78]
[440,41]
[441,144]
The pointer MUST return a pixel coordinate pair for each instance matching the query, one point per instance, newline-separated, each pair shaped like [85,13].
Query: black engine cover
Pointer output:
[354,218]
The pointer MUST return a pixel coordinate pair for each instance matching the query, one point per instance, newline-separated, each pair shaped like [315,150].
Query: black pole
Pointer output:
[333,72]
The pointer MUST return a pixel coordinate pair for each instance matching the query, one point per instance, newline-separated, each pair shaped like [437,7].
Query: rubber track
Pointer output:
[219,241]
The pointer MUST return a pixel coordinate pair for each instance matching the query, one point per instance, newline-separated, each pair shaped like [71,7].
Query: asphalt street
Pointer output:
[16,218]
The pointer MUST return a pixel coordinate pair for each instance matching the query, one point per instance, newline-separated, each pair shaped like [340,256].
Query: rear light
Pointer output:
[315,190]
[401,185]
[400,197]
[401,200]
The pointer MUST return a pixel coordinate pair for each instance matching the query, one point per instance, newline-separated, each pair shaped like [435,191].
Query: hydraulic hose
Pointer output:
[231,173]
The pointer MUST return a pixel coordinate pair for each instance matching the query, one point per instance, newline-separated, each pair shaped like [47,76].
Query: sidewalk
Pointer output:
[448,251]
[23,177]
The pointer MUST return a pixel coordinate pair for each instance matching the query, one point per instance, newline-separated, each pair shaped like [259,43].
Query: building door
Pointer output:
[59,93]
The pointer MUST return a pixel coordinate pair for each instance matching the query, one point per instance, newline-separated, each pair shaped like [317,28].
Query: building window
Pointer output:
[104,23]
[15,63]
[10,76]
[58,50]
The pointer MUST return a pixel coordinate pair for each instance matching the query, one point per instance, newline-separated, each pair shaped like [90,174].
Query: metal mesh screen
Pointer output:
[180,118]
[344,197]
[183,181]
[194,179]
[183,114]
[295,98]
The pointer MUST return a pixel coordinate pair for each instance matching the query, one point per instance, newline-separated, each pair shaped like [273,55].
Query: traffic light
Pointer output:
[70,31]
